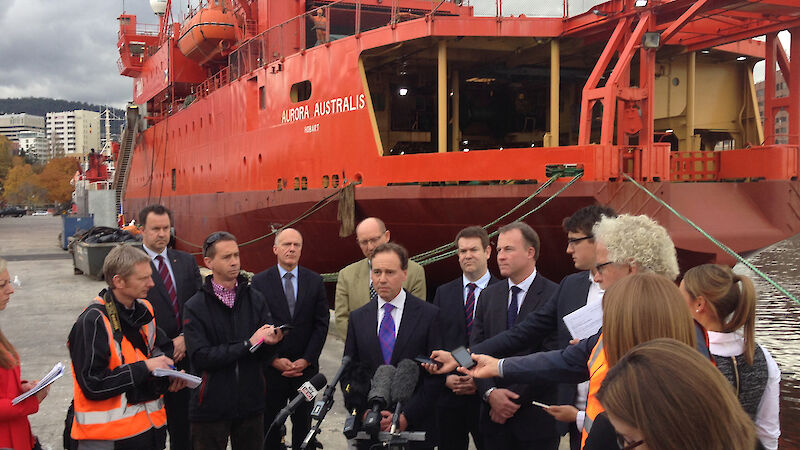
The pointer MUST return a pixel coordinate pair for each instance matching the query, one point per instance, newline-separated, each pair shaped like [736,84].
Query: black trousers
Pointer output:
[177,405]
[456,423]
[245,434]
[280,391]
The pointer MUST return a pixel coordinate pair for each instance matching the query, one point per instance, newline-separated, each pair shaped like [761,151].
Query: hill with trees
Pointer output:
[40,106]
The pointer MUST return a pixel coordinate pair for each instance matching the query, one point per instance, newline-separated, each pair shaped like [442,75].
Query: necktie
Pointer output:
[163,271]
[469,307]
[513,307]
[288,289]
[386,333]
[373,295]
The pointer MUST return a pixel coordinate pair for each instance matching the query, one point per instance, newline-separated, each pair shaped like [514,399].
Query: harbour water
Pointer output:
[778,326]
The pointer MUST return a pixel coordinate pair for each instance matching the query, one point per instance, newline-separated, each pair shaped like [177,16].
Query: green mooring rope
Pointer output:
[716,242]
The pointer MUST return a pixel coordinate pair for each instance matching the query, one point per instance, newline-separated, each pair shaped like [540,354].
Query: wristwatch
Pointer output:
[487,393]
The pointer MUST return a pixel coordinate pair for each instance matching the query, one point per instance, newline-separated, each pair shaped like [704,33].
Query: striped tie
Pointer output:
[163,270]
[386,333]
[469,307]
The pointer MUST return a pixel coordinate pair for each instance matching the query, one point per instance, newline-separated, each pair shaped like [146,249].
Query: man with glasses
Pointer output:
[229,335]
[354,286]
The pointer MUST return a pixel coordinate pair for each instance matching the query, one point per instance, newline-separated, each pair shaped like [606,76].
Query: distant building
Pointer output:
[13,124]
[35,145]
[781,131]
[73,133]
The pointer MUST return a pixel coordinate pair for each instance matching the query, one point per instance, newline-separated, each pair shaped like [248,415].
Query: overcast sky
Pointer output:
[67,49]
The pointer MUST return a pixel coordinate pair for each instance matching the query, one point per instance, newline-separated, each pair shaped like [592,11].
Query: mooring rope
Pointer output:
[719,244]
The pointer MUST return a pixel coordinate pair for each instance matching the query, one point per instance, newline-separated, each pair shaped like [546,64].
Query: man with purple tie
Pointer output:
[176,278]
[459,405]
[396,326]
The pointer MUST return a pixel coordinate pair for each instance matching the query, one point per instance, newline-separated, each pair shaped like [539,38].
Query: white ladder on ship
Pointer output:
[128,140]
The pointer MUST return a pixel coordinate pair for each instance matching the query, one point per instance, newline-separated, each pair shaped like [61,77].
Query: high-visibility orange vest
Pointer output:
[597,373]
[114,419]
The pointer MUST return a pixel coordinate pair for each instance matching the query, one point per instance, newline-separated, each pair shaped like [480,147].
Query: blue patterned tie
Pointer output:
[513,307]
[469,307]
[386,333]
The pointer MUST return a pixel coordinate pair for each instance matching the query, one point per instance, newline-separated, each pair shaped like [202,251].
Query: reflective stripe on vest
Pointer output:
[597,373]
[114,418]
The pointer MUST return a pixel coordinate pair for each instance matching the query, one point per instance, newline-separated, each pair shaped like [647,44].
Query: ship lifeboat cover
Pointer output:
[204,36]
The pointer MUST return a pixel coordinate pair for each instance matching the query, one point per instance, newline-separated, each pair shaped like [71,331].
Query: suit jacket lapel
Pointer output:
[362,280]
[532,298]
[372,313]
[173,261]
[501,318]
[408,325]
[160,283]
[301,291]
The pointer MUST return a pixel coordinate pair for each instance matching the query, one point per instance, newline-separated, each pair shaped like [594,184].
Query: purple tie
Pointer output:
[386,333]
[469,307]
[513,307]
[163,270]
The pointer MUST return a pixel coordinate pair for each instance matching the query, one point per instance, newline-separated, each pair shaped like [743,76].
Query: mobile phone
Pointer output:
[541,405]
[463,357]
[424,360]
[286,328]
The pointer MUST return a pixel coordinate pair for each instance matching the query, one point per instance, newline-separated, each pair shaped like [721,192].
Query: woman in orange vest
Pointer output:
[663,395]
[15,430]
[636,309]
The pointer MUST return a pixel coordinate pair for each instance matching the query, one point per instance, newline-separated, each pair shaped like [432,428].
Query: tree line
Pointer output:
[32,185]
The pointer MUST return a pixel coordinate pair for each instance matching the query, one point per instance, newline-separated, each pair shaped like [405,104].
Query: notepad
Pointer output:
[191,380]
[586,321]
[53,375]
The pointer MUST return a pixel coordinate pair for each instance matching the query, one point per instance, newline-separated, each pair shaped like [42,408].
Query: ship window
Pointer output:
[173,179]
[300,91]
[262,98]
[304,183]
[280,184]
[296,183]
[335,181]
[326,181]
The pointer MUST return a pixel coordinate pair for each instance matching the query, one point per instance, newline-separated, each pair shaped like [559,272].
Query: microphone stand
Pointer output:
[319,412]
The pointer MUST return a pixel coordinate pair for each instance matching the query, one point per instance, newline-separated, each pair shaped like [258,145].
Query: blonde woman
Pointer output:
[15,430]
[725,304]
[663,395]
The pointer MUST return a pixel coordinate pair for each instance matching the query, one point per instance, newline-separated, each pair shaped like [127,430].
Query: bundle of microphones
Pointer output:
[388,388]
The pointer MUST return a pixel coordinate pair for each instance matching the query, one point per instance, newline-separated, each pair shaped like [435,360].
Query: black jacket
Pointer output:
[233,383]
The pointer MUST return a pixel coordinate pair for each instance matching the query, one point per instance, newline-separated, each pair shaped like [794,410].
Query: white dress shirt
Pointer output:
[768,426]
[399,304]
[480,285]
[524,285]
[163,253]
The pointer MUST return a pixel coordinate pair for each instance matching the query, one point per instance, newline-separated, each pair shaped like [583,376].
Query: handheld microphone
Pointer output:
[378,398]
[403,384]
[306,393]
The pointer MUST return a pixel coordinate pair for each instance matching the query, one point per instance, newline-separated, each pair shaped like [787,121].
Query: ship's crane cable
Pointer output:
[719,244]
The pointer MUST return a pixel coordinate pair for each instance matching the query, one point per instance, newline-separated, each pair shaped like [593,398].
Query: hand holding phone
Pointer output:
[463,357]
[425,360]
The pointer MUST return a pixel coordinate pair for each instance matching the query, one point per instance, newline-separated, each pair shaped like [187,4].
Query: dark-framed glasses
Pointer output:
[572,241]
[599,267]
[625,444]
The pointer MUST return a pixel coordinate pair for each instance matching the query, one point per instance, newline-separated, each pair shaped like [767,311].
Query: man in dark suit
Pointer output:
[459,406]
[396,326]
[176,278]
[508,420]
[296,297]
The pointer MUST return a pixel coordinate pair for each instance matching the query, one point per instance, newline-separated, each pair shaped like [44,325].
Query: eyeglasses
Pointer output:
[211,240]
[599,267]
[624,444]
[366,242]
[571,242]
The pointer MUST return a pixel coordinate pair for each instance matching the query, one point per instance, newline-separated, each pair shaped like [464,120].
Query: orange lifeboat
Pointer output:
[208,34]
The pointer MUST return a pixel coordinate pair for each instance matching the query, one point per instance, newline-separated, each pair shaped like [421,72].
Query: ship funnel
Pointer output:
[159,6]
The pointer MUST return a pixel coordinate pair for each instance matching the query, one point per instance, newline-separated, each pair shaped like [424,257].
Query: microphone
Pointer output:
[403,384]
[355,389]
[306,393]
[321,407]
[378,398]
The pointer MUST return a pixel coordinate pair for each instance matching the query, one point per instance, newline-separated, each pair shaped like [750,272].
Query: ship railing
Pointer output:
[215,82]
[694,165]
[143,29]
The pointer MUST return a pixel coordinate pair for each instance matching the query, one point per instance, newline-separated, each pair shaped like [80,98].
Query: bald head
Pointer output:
[370,233]
[287,247]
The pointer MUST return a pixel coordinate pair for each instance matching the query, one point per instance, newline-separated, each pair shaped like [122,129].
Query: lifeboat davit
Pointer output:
[208,34]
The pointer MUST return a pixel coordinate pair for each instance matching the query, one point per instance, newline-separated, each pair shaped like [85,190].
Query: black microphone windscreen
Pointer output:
[382,383]
[318,381]
[355,385]
[405,380]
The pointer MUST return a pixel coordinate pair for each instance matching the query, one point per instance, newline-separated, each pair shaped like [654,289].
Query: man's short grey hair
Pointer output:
[638,240]
[122,260]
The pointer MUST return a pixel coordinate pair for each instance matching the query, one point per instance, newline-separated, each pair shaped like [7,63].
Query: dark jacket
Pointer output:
[187,282]
[233,382]
[490,320]
[310,319]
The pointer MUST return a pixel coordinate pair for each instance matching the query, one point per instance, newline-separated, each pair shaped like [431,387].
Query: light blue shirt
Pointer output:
[153,256]
[282,272]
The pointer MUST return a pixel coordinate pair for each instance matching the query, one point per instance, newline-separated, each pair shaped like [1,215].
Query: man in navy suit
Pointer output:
[459,406]
[508,420]
[296,297]
[176,278]
[574,292]
[396,326]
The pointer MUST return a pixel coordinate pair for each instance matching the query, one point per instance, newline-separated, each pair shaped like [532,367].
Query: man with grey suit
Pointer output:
[176,278]
[354,285]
